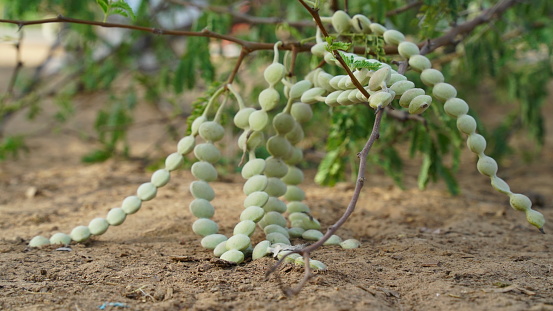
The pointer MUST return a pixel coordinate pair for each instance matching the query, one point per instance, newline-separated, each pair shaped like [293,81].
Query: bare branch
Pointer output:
[412,5]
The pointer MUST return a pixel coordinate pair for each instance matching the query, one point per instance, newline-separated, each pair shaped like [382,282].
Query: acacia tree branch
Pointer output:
[18,66]
[412,5]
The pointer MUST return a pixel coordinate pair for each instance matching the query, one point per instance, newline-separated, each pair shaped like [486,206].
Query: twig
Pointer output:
[402,9]
[243,54]
[18,66]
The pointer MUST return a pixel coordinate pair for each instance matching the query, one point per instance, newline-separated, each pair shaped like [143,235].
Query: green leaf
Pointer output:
[104,5]
[123,8]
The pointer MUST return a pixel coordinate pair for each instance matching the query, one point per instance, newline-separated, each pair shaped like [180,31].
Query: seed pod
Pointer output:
[456,107]
[393,37]
[253,167]
[212,240]
[202,190]
[486,166]
[407,49]
[246,227]
[160,178]
[319,49]
[313,95]
[207,152]
[535,218]
[274,73]
[276,237]
[275,167]
[333,240]
[299,88]
[196,125]
[317,265]
[377,29]
[500,185]
[295,232]
[332,98]
[296,135]
[352,96]
[419,63]
[255,183]
[394,78]
[341,21]
[297,207]
[131,204]
[363,76]
[59,238]
[431,77]
[186,144]
[253,213]
[204,171]
[258,198]
[258,120]
[323,80]
[116,216]
[520,202]
[272,218]
[255,140]
[173,161]
[276,228]
[205,227]
[238,242]
[283,123]
[330,59]
[295,156]
[269,99]
[201,208]
[278,146]
[380,78]
[80,234]
[401,87]
[98,226]
[294,176]
[241,118]
[274,204]
[350,243]
[211,131]
[39,241]
[344,82]
[294,193]
[312,235]
[444,91]
[261,249]
[233,255]
[301,112]
[380,99]
[419,104]
[476,143]
[343,99]
[146,191]
[466,124]
[409,95]
[361,24]
[275,187]
[220,249]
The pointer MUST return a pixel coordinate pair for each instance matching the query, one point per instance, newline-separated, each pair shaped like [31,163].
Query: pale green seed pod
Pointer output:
[255,183]
[201,208]
[283,123]
[333,240]
[80,234]
[258,198]
[419,63]
[432,77]
[39,241]
[317,265]
[520,202]
[500,185]
[323,80]
[205,227]
[241,118]
[299,88]
[268,99]
[313,95]
[278,146]
[131,204]
[350,244]
[401,87]
[204,171]
[253,213]
[353,96]
[393,37]
[196,125]
[476,143]
[173,161]
[294,193]
[380,99]
[238,242]
[258,120]
[275,167]
[394,78]
[407,49]
[211,241]
[299,261]
[60,238]
[380,78]
[233,255]
[332,98]
[207,152]
[98,226]
[202,190]
[272,218]
[319,49]
[409,95]
[301,112]
[294,176]
[456,107]
[275,187]
[116,216]
[361,24]
[329,59]
[274,73]
[344,82]
[160,178]
[146,191]
[535,218]
[220,249]
[275,237]
[261,249]
[296,135]
[312,235]
[246,227]
[335,82]
[486,166]
[255,140]
[274,204]
[419,104]
[341,21]
[276,228]
[343,99]
[186,145]
[297,207]
[253,167]
[444,91]
[466,124]
[295,156]
[211,131]
[377,29]
[295,232]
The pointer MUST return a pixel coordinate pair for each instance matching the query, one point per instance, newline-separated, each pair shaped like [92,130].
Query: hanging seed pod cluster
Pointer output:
[273,199]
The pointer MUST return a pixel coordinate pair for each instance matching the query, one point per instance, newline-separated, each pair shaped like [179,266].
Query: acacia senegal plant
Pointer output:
[361,68]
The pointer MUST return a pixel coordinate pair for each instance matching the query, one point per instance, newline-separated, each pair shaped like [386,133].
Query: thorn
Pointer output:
[541,230]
